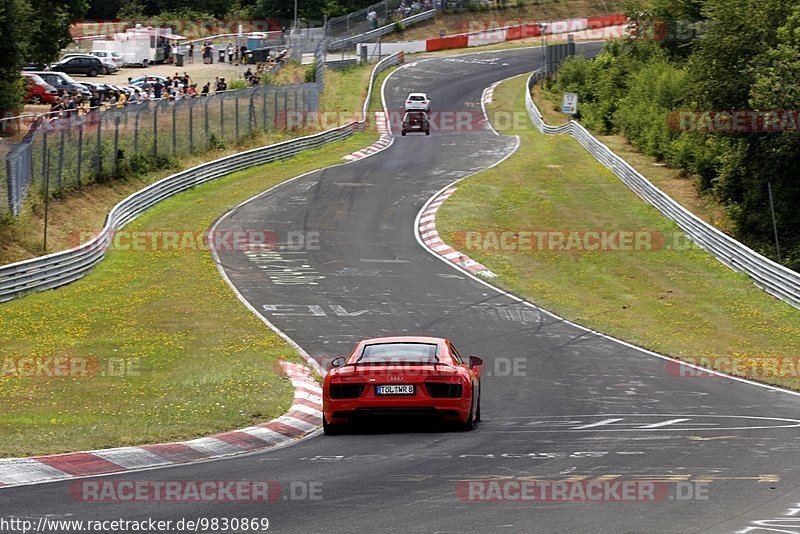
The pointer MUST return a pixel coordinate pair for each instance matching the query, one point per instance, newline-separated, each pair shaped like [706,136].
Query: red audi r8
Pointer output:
[402,376]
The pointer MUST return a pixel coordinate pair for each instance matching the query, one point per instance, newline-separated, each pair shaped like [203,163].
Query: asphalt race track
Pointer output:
[558,403]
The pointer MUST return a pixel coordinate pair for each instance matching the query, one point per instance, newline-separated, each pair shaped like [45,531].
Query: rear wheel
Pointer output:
[403,133]
[427,132]
[92,73]
[329,429]
[478,409]
[470,422]
[36,99]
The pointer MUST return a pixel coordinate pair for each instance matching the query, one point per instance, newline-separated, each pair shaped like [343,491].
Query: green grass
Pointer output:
[201,361]
[678,301]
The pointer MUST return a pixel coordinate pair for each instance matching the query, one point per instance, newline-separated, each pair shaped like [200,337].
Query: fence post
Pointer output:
[191,127]
[221,118]
[98,164]
[205,108]
[12,194]
[44,156]
[155,130]
[116,144]
[275,110]
[236,114]
[174,129]
[59,182]
[136,130]
[80,151]
[264,109]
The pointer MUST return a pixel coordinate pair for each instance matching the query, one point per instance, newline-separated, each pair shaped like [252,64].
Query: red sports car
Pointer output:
[402,376]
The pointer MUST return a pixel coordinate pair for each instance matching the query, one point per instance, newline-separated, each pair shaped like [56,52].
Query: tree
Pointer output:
[13,13]
[47,27]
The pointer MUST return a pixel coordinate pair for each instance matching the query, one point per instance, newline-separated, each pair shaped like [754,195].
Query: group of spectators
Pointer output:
[236,54]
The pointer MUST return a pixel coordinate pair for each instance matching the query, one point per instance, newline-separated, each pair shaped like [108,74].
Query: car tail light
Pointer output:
[448,390]
[346,391]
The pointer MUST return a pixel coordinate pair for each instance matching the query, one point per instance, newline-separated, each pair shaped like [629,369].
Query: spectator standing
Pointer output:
[190,52]
[211,52]
[243,54]
[122,100]
[158,88]
[229,51]
[372,18]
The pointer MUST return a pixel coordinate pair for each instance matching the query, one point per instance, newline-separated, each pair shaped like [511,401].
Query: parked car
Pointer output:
[103,89]
[108,55]
[62,82]
[80,64]
[109,66]
[418,102]
[416,121]
[38,91]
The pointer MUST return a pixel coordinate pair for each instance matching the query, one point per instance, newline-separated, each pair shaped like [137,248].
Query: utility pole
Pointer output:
[543,28]
[774,221]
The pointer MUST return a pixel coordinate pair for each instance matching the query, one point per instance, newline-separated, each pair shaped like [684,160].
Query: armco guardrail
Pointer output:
[63,267]
[380,32]
[765,273]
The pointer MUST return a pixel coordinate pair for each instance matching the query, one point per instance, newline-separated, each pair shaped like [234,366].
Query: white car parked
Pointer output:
[108,55]
[418,102]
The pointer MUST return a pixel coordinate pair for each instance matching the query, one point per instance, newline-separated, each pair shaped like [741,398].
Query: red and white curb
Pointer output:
[303,418]
[381,144]
[488,93]
[429,235]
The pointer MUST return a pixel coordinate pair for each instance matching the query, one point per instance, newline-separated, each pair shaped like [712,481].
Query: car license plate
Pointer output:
[394,390]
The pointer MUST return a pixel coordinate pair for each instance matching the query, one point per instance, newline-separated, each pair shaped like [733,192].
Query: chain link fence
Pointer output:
[356,22]
[65,153]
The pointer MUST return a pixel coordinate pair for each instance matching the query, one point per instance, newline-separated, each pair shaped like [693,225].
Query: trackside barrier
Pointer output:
[505,33]
[380,32]
[772,277]
[46,272]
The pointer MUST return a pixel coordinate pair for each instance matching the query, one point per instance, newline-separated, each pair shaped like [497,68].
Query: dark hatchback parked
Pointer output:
[88,65]
[416,121]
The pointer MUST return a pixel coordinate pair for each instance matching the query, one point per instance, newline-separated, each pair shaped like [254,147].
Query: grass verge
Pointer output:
[86,208]
[678,301]
[172,353]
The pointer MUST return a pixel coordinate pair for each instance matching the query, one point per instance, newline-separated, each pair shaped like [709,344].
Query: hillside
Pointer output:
[465,21]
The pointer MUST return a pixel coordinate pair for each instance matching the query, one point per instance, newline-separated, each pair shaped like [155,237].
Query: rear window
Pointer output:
[418,98]
[399,353]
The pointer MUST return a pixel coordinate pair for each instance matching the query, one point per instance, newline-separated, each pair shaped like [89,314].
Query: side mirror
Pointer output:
[474,361]
[337,362]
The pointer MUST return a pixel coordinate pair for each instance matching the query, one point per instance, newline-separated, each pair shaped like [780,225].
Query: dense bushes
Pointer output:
[637,87]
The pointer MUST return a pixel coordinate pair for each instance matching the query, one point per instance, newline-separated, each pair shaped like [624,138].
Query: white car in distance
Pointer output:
[108,55]
[418,102]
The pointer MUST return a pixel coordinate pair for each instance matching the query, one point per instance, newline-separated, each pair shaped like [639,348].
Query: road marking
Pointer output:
[597,424]
[663,423]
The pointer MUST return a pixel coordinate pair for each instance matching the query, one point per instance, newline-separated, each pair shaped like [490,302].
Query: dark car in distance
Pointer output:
[416,121]
[88,65]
